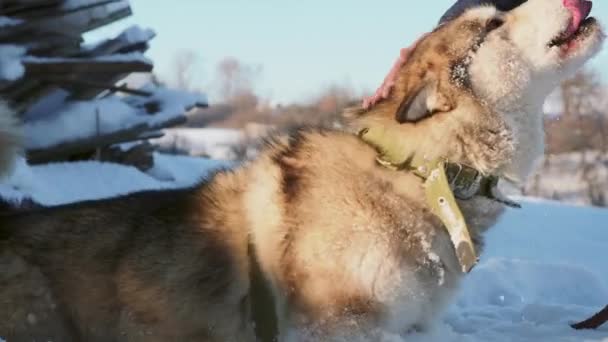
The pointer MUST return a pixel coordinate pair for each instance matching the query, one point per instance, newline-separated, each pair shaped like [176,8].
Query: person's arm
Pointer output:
[457,9]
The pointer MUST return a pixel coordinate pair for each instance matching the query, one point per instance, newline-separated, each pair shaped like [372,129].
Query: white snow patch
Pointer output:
[131,36]
[433,257]
[543,268]
[136,34]
[89,118]
[173,101]
[215,143]
[11,67]
[61,183]
[81,119]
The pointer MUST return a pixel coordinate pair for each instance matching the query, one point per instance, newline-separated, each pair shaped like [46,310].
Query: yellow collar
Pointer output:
[443,183]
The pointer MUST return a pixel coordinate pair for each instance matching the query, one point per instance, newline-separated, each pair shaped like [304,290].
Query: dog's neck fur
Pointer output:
[478,137]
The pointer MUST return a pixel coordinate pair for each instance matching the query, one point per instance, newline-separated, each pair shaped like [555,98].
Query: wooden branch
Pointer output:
[115,46]
[170,123]
[82,8]
[51,44]
[99,85]
[110,18]
[151,135]
[140,156]
[36,19]
[37,67]
[66,150]
[80,93]
[20,8]
[119,44]
[594,322]
[27,93]
[52,10]
[200,105]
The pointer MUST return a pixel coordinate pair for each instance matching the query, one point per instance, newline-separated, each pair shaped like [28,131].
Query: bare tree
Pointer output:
[582,129]
[581,94]
[235,80]
[185,70]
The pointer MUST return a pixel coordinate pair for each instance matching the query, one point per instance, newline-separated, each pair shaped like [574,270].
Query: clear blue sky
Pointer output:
[301,45]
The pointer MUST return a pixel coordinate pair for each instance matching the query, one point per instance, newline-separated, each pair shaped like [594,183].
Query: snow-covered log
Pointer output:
[68,93]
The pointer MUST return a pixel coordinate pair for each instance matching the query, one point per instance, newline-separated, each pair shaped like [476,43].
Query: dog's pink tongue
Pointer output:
[580,10]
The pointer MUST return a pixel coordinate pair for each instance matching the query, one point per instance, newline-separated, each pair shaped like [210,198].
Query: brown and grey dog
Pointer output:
[347,248]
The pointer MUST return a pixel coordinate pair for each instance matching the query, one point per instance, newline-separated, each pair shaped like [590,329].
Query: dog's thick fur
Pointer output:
[347,247]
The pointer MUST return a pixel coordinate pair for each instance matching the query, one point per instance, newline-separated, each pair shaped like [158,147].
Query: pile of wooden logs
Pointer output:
[45,67]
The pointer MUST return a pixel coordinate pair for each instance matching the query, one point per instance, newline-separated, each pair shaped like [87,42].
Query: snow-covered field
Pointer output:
[544,266]
[562,177]
[214,143]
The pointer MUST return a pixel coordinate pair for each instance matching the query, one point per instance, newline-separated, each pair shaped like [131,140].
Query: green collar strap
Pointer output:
[443,183]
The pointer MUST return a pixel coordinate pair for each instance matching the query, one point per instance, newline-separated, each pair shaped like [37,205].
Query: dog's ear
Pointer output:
[423,102]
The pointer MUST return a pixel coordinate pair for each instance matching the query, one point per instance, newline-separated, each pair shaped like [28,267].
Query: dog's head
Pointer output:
[473,89]
[525,53]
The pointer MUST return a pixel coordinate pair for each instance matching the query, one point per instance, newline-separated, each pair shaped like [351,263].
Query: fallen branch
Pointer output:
[41,67]
[594,322]
[66,150]
[98,85]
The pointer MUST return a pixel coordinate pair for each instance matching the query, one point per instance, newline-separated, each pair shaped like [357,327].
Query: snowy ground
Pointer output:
[544,266]
[561,177]
[61,183]
[214,143]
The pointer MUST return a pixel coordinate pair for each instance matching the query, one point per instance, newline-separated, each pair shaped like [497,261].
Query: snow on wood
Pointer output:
[99,85]
[87,15]
[215,143]
[90,119]
[62,183]
[69,94]
[133,62]
[132,39]
[136,34]
[11,67]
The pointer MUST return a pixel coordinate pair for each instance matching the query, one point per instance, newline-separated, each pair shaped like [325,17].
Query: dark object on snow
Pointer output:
[594,322]
[140,156]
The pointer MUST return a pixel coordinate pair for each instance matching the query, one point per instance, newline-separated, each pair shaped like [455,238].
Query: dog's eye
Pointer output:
[494,24]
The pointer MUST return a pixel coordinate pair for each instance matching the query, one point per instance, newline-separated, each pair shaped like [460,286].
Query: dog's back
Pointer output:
[150,266]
